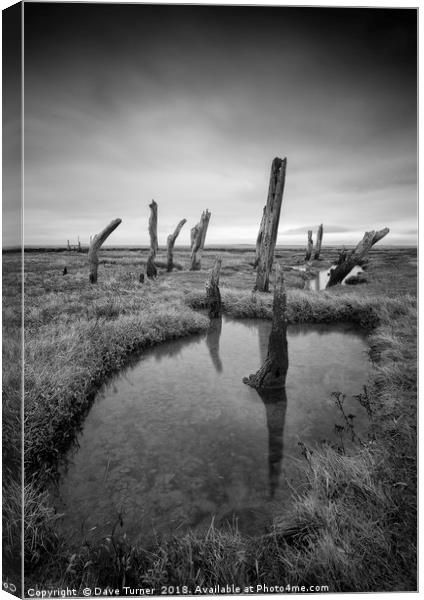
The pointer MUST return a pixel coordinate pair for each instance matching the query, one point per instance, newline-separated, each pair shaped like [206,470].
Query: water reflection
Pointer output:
[275,402]
[212,342]
[175,441]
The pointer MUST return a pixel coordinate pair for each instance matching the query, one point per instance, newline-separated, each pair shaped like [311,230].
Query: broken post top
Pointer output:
[99,238]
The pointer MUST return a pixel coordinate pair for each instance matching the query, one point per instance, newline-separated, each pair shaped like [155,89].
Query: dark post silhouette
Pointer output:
[309,246]
[213,295]
[349,259]
[151,270]
[272,374]
[267,236]
[95,245]
[318,242]
[198,234]
[170,245]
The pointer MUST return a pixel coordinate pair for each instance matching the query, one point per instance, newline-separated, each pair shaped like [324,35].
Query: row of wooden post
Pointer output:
[265,243]
[198,237]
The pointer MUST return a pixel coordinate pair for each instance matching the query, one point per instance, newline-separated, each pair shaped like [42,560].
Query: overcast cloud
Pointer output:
[189,105]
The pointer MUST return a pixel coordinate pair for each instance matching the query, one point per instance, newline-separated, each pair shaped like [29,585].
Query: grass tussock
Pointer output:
[353,526]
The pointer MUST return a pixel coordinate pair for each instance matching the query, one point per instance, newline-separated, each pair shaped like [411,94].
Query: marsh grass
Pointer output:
[353,527]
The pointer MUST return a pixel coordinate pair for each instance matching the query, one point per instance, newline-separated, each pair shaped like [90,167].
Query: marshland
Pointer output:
[343,511]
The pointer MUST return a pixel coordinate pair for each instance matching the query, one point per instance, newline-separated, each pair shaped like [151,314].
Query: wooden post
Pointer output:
[69,246]
[151,270]
[199,240]
[310,246]
[259,239]
[213,295]
[272,374]
[318,242]
[348,260]
[96,243]
[268,230]
[193,234]
[170,244]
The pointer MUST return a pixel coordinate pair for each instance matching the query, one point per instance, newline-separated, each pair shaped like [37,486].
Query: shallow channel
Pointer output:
[177,439]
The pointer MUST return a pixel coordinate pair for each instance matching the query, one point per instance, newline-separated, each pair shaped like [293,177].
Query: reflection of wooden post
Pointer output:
[151,270]
[309,246]
[212,342]
[199,235]
[170,244]
[96,243]
[273,372]
[318,242]
[348,260]
[267,236]
[213,295]
[275,402]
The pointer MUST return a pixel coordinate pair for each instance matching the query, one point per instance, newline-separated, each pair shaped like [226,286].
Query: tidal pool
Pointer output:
[177,439]
[319,282]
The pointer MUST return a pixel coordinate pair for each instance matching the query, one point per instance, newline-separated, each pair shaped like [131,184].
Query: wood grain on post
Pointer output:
[199,240]
[213,295]
[267,236]
[309,246]
[356,257]
[318,242]
[151,270]
[96,243]
[170,245]
[259,239]
[272,374]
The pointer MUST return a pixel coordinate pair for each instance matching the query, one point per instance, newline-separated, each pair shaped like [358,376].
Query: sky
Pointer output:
[188,105]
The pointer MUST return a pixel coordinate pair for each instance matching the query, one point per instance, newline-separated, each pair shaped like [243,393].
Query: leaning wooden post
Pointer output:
[273,372]
[170,244]
[259,239]
[318,242]
[267,236]
[348,260]
[151,270]
[95,245]
[213,295]
[199,240]
[309,246]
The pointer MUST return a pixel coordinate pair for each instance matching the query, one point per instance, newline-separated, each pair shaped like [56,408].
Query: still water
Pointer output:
[319,282]
[177,438]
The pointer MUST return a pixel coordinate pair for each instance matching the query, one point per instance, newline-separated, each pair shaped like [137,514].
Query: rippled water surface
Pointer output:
[178,438]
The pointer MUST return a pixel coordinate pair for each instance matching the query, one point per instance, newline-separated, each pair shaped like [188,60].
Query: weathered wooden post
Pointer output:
[267,236]
[170,244]
[272,374]
[151,270]
[309,246]
[199,240]
[213,295]
[193,234]
[69,246]
[318,242]
[348,260]
[259,239]
[95,245]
